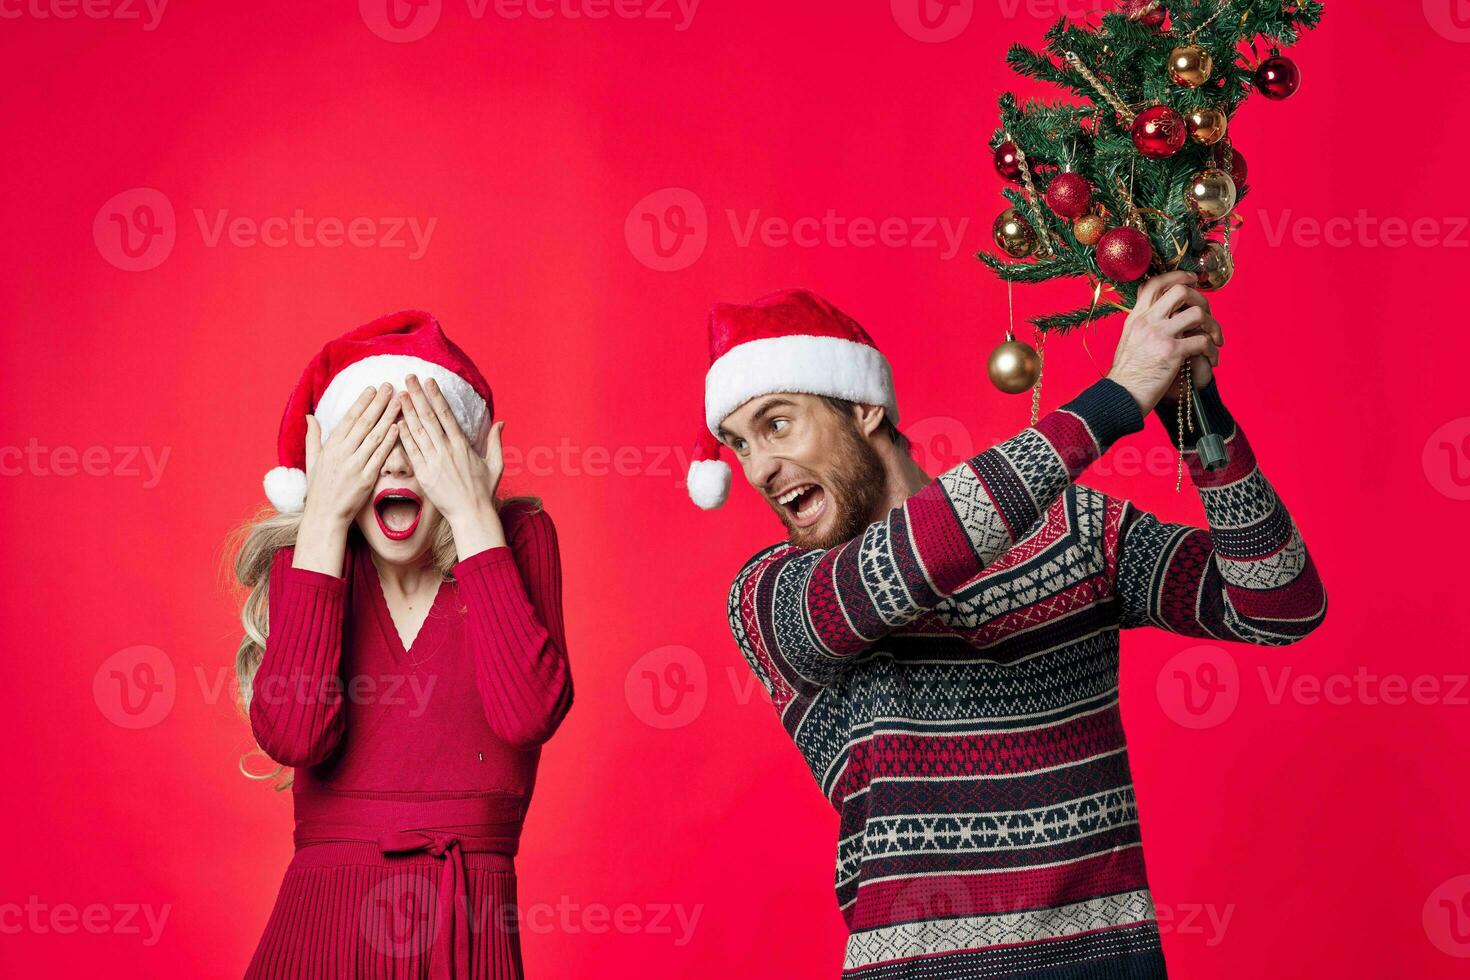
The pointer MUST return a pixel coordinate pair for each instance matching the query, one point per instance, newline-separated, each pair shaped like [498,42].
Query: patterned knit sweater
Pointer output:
[951,678]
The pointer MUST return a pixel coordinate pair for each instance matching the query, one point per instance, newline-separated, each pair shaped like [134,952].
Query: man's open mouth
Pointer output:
[397,510]
[804,503]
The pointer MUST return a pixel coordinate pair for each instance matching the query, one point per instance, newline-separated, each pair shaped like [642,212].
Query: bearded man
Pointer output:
[944,650]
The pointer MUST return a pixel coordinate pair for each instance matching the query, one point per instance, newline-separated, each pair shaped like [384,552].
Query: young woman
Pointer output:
[404,653]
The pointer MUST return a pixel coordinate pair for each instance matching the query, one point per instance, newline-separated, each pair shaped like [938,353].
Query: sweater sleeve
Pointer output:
[802,616]
[513,617]
[296,695]
[1248,577]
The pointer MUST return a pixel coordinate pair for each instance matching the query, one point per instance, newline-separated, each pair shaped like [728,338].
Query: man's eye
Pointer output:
[779,425]
[738,445]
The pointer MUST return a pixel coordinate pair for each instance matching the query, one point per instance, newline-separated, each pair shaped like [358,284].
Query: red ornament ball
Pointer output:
[1278,78]
[1133,10]
[1008,161]
[1238,169]
[1069,195]
[1124,254]
[1159,132]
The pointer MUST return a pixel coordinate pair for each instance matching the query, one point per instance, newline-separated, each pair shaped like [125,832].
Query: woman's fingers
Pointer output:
[411,446]
[378,433]
[343,430]
[313,442]
[494,454]
[357,429]
[380,454]
[445,414]
[426,427]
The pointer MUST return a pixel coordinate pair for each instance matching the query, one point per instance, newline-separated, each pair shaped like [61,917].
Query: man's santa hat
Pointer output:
[388,349]
[792,341]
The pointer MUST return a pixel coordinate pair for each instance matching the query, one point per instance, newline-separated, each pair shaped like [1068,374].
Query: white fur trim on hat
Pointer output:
[802,363]
[709,482]
[285,488]
[467,405]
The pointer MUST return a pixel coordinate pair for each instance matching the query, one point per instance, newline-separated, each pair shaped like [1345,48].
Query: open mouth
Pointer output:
[804,503]
[397,511]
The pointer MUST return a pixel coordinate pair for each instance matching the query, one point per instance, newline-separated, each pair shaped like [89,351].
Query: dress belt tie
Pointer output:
[444,828]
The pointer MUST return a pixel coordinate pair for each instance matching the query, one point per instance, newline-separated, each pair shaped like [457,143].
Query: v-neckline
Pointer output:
[389,628]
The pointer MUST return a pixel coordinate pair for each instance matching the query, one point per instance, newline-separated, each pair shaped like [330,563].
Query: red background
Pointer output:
[1327,832]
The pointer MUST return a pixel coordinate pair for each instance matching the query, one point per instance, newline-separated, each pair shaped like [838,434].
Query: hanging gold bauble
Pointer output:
[1089,229]
[1014,234]
[1190,64]
[1216,266]
[1206,125]
[1212,194]
[1014,366]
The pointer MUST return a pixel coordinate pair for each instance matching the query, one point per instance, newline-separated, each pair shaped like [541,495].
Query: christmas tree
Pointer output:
[1139,177]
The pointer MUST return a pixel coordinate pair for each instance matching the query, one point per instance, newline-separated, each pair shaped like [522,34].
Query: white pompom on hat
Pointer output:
[388,349]
[791,341]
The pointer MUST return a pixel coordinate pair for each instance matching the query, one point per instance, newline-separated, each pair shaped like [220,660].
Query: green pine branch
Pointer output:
[1131,60]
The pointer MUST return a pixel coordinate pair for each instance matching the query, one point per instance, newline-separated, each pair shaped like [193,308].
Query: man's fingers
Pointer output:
[1149,292]
[1199,345]
[1179,297]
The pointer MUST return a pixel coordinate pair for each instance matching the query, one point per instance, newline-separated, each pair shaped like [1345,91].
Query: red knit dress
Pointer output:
[414,766]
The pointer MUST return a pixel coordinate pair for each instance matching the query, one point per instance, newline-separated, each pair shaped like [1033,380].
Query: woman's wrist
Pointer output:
[321,542]
[478,529]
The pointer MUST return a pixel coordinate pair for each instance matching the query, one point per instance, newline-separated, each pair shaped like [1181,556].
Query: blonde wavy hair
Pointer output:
[255,544]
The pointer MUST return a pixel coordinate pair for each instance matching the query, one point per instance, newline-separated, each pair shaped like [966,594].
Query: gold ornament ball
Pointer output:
[1014,234]
[1212,194]
[1207,125]
[1014,367]
[1190,65]
[1216,266]
[1089,229]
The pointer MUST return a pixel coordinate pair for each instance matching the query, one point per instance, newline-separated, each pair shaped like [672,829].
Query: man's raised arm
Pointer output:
[800,616]
[1247,578]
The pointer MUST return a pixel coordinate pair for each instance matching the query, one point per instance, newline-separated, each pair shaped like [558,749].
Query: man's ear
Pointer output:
[869,418]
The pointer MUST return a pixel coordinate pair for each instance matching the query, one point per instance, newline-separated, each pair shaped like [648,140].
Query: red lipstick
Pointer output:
[402,507]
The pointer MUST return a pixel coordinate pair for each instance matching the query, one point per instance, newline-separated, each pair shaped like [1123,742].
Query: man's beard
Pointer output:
[854,483]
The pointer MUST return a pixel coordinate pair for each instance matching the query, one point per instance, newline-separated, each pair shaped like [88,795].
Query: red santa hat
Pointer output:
[388,349]
[789,341]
